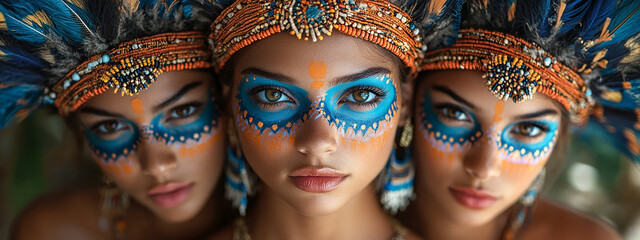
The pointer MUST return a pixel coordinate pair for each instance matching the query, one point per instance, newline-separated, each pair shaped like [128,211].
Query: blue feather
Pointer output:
[570,17]
[17,101]
[593,20]
[28,31]
[624,23]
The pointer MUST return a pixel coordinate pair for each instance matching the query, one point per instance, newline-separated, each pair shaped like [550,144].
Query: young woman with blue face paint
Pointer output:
[134,79]
[164,148]
[317,91]
[492,115]
[316,123]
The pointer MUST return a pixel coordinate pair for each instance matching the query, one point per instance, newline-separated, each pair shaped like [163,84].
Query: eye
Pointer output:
[109,127]
[454,113]
[361,96]
[530,130]
[184,111]
[272,96]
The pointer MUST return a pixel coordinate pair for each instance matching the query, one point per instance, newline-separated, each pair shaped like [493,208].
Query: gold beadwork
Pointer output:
[130,67]
[380,22]
[514,69]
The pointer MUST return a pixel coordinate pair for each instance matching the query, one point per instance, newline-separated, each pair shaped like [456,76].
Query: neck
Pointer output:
[360,218]
[431,222]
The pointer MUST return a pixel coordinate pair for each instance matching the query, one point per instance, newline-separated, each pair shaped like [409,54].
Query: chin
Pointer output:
[472,218]
[176,215]
[316,206]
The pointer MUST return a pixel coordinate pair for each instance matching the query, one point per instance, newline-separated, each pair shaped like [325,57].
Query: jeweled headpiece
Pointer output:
[379,22]
[64,52]
[583,54]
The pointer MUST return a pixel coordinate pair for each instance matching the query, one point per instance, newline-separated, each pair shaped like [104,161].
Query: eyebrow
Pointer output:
[99,112]
[366,73]
[178,95]
[269,75]
[542,113]
[453,95]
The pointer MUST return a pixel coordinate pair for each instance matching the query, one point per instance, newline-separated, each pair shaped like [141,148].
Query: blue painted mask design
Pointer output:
[132,135]
[505,139]
[289,106]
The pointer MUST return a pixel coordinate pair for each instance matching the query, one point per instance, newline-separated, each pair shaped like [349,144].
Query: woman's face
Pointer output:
[316,121]
[163,146]
[476,155]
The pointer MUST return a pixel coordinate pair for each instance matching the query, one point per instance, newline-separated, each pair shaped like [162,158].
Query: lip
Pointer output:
[472,198]
[317,179]
[171,194]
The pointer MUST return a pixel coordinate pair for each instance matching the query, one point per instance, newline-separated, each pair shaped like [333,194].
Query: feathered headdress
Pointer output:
[584,54]
[66,51]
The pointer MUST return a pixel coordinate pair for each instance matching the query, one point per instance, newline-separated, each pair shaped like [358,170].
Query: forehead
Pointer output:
[287,55]
[470,86]
[167,84]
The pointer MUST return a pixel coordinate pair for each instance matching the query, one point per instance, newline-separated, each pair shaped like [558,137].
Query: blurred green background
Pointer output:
[40,155]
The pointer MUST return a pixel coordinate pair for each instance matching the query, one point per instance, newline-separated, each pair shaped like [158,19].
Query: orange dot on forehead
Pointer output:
[317,84]
[499,108]
[136,105]
[317,69]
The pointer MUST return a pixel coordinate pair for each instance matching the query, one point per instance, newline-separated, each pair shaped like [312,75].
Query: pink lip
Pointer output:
[171,194]
[472,198]
[317,180]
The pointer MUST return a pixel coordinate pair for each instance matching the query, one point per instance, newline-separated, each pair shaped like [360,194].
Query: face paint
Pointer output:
[516,151]
[270,105]
[376,95]
[446,139]
[169,134]
[130,135]
[317,70]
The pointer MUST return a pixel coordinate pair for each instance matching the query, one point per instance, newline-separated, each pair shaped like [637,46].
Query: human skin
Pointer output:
[184,165]
[476,156]
[330,106]
[180,148]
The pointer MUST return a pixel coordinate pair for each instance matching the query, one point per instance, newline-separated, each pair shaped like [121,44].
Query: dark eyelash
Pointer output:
[543,127]
[258,89]
[440,106]
[377,91]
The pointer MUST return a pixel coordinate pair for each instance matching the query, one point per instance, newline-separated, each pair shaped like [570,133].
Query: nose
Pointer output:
[482,161]
[316,138]
[157,159]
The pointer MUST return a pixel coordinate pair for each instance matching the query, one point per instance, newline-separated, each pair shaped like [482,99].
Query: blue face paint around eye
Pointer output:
[112,149]
[170,134]
[127,142]
[283,117]
[344,116]
[540,148]
[444,132]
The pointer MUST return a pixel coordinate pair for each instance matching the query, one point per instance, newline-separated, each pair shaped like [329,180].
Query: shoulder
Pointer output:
[60,216]
[552,221]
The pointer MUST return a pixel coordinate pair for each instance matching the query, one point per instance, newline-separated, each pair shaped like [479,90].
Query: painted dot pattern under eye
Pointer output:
[458,139]
[250,113]
[340,115]
[128,141]
[343,117]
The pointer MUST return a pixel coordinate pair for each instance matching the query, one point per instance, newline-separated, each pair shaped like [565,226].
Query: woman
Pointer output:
[494,110]
[316,120]
[133,79]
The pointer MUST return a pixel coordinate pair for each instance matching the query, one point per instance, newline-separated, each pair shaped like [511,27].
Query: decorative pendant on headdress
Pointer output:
[508,77]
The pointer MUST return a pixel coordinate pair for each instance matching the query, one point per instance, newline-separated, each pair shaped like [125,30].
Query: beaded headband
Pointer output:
[380,22]
[514,69]
[130,68]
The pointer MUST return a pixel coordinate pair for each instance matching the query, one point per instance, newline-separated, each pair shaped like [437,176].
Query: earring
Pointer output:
[397,178]
[526,201]
[114,203]
[239,185]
